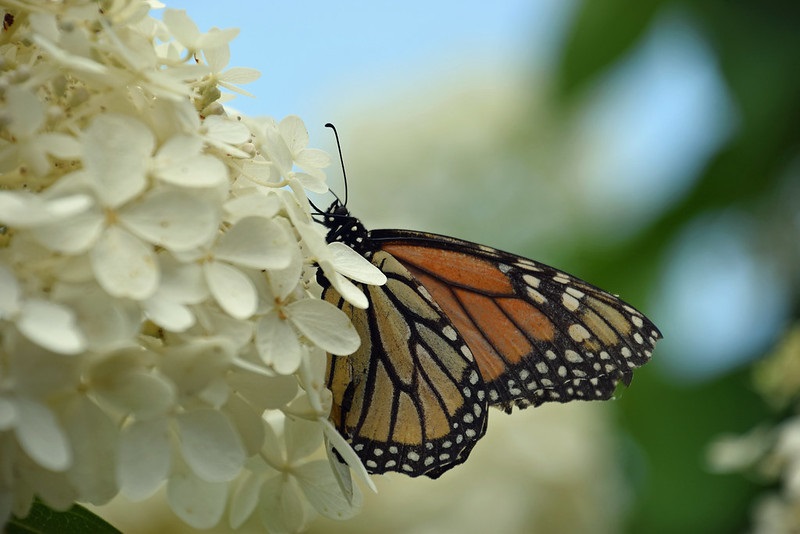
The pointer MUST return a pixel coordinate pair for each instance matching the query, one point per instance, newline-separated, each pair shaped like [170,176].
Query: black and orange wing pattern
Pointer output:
[460,326]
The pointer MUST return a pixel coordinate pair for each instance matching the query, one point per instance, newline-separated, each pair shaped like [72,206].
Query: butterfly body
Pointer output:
[460,327]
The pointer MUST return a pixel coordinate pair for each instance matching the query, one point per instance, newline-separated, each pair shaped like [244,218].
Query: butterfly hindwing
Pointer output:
[411,398]
[537,333]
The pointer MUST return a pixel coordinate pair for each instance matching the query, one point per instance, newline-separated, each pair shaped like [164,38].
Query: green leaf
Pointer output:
[43,520]
[602,32]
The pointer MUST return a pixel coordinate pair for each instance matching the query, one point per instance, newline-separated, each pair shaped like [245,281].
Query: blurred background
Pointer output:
[648,147]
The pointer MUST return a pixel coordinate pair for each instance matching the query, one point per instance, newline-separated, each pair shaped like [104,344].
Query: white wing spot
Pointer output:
[450,332]
[468,353]
[636,320]
[570,302]
[561,279]
[604,356]
[578,332]
[562,371]
[626,352]
[447,444]
[390,464]
[428,460]
[371,463]
[546,382]
[473,377]
[578,294]
[542,368]
[413,456]
[377,452]
[535,296]
[504,268]
[573,356]
[524,374]
[638,338]
[550,355]
[531,280]
[470,433]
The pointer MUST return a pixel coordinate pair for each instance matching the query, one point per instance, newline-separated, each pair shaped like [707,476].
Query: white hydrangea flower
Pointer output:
[159,325]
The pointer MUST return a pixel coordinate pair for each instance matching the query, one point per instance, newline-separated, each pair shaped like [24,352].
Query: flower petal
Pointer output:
[210,445]
[123,265]
[175,220]
[144,458]
[325,325]
[277,344]
[255,242]
[41,436]
[51,326]
[197,502]
[232,289]
[117,151]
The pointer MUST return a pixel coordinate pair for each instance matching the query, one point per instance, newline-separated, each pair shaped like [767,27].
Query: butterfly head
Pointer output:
[346,229]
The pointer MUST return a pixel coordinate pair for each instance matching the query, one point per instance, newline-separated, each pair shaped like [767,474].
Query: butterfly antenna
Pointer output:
[341,160]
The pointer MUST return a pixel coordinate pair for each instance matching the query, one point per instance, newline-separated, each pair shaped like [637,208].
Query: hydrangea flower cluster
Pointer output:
[771,452]
[158,316]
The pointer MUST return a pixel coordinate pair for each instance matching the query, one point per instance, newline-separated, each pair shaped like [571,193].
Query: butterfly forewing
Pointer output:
[537,333]
[411,398]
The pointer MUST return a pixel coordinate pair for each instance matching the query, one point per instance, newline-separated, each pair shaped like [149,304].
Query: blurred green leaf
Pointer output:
[603,31]
[43,520]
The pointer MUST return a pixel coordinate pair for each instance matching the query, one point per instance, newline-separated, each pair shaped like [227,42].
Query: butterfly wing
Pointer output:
[410,399]
[537,334]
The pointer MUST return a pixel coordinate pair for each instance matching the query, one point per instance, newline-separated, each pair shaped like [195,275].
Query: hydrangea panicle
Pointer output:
[160,324]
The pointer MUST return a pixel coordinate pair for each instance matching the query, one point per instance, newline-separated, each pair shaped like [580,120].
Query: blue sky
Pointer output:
[311,53]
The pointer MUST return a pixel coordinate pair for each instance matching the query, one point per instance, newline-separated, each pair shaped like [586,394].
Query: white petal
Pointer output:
[26,210]
[25,109]
[181,281]
[110,322]
[41,436]
[244,500]
[51,326]
[355,266]
[117,151]
[210,445]
[197,502]
[347,453]
[248,423]
[175,220]
[325,325]
[255,242]
[240,75]
[94,439]
[168,315]
[144,458]
[9,293]
[312,183]
[123,265]
[8,414]
[294,133]
[74,235]
[282,506]
[264,393]
[277,344]
[226,130]
[303,438]
[232,289]
[343,286]
[323,492]
[200,170]
[142,394]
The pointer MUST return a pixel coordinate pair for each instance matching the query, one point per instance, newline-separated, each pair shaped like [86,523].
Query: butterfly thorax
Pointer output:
[347,229]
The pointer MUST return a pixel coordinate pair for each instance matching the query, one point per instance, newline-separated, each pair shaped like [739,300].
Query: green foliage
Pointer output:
[44,520]
[757,46]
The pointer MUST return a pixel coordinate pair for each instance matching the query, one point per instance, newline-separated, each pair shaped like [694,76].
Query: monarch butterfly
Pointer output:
[459,327]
